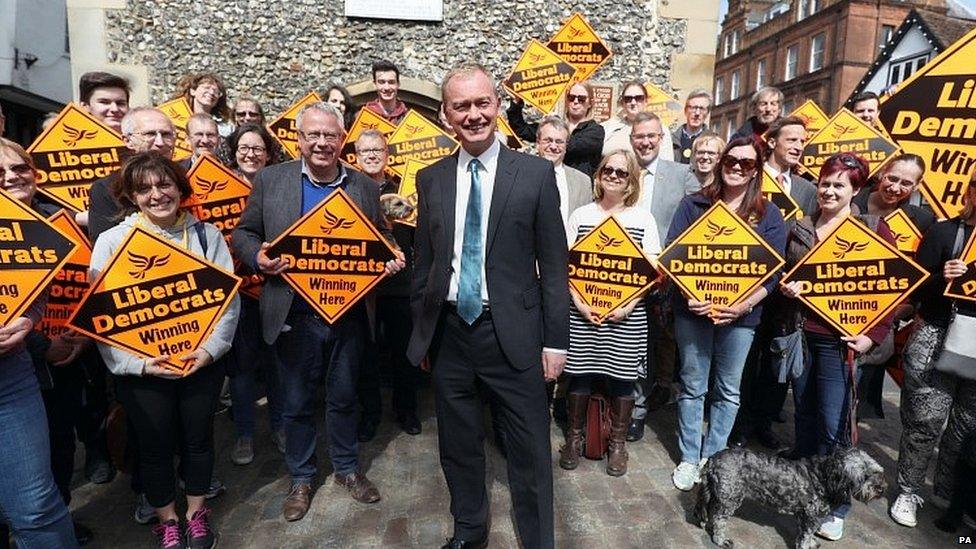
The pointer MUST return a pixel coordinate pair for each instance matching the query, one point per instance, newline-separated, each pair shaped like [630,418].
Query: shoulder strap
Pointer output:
[960,236]
[202,237]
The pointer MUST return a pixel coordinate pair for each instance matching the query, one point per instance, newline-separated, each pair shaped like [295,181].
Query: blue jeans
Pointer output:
[705,347]
[249,354]
[821,396]
[306,352]
[29,499]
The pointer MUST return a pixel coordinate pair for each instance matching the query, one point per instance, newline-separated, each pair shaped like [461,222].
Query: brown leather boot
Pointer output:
[621,409]
[570,453]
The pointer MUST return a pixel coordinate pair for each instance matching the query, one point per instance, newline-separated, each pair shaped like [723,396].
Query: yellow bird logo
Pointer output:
[840,131]
[535,57]
[845,247]
[901,238]
[715,230]
[75,135]
[574,32]
[143,263]
[334,223]
[607,241]
[207,187]
[411,130]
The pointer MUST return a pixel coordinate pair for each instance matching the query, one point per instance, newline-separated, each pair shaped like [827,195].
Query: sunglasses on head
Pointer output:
[744,164]
[607,171]
[849,161]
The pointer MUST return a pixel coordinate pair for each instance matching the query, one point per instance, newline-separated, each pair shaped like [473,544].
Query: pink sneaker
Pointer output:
[169,535]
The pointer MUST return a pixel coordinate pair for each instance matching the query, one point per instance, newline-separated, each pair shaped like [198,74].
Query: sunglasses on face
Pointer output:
[744,164]
[634,98]
[247,114]
[571,98]
[607,171]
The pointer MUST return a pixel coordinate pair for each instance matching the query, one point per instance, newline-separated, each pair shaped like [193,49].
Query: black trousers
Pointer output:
[393,332]
[468,361]
[63,404]
[173,416]
[761,394]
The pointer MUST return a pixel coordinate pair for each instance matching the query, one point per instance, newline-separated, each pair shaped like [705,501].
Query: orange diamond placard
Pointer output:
[32,252]
[365,120]
[419,139]
[408,189]
[719,258]
[512,140]
[154,298]
[814,119]
[335,255]
[540,77]
[964,287]
[580,46]
[73,152]
[907,235]
[179,112]
[845,132]
[663,104]
[773,192]
[283,128]
[608,269]
[853,278]
[70,284]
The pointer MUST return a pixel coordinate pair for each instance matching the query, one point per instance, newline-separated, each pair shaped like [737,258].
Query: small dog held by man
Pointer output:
[807,488]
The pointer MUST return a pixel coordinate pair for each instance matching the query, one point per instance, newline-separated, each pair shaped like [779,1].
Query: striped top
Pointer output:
[615,349]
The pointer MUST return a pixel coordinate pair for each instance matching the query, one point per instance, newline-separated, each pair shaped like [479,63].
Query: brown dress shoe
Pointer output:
[297,502]
[361,489]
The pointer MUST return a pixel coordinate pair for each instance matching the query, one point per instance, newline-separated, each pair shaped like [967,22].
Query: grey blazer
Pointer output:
[275,203]
[804,193]
[580,188]
[672,182]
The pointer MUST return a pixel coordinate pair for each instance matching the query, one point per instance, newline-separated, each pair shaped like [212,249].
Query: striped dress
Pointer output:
[615,349]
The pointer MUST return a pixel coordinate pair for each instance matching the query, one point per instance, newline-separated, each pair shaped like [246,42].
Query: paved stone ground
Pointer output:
[641,509]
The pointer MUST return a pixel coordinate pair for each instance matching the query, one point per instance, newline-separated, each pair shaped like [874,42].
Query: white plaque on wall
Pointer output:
[413,10]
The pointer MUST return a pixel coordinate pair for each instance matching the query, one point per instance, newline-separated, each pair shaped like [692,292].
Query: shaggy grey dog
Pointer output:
[807,488]
[395,207]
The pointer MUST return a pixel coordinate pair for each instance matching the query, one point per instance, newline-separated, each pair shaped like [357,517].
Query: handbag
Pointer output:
[597,427]
[958,355]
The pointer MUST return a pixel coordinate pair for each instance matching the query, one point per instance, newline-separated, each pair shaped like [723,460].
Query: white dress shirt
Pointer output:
[647,184]
[787,181]
[563,187]
[489,163]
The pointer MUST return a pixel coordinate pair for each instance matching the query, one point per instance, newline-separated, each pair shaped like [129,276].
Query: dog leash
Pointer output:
[852,408]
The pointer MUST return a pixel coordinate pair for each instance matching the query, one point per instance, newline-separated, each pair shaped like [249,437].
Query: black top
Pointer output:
[584,149]
[934,250]
[921,217]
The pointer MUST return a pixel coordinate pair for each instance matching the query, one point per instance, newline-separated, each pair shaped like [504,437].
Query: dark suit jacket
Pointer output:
[804,193]
[529,307]
[275,203]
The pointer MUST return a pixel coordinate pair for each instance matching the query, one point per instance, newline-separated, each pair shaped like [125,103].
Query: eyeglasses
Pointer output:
[571,98]
[744,164]
[18,170]
[634,98]
[314,137]
[365,152]
[247,149]
[151,135]
[649,136]
[550,141]
[696,108]
[161,187]
[201,135]
[247,114]
[895,180]
[607,171]
[706,153]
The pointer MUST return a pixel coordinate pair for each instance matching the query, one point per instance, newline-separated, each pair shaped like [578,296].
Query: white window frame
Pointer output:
[792,65]
[914,63]
[734,85]
[719,89]
[760,73]
[817,57]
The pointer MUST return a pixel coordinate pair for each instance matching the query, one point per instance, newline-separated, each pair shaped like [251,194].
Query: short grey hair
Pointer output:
[371,133]
[554,121]
[200,118]
[129,122]
[466,69]
[646,116]
[322,107]
[766,90]
[699,92]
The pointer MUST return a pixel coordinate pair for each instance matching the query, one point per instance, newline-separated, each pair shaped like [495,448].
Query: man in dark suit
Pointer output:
[785,140]
[492,320]
[306,347]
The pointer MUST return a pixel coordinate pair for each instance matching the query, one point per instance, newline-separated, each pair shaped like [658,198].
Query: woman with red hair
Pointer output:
[821,392]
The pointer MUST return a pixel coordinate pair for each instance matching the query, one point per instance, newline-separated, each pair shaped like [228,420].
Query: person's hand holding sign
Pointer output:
[151,367]
[700,308]
[267,265]
[393,266]
[14,333]
[859,344]
[954,268]
[200,358]
[621,314]
[722,315]
[65,348]
[584,309]
[790,289]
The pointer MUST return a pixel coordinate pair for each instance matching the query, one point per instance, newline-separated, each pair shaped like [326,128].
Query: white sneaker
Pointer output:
[832,529]
[903,509]
[685,476]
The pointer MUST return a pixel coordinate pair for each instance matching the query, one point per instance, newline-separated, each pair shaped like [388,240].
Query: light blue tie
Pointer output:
[472,251]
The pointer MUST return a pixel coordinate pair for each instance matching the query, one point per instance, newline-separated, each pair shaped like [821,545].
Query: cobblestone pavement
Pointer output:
[641,509]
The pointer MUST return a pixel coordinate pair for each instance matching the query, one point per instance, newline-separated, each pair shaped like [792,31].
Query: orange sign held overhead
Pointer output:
[853,279]
[283,128]
[663,104]
[773,192]
[154,298]
[70,284]
[845,132]
[907,235]
[931,115]
[814,119]
[179,112]
[608,269]
[578,44]
[540,77]
[512,140]
[335,255]
[408,189]
[964,287]
[73,152]
[420,139]
[32,251]
[719,258]
[365,120]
